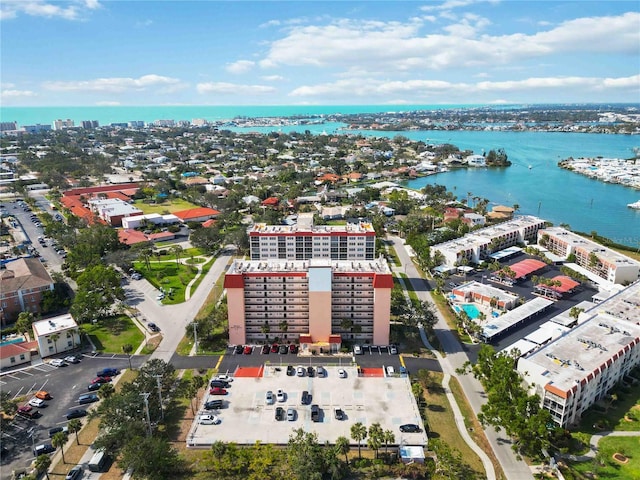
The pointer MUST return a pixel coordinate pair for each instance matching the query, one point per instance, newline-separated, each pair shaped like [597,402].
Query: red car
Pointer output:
[274,348]
[101,380]
[217,391]
[248,349]
[293,348]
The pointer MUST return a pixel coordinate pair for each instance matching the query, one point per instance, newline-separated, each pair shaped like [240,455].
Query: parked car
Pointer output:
[108,372]
[393,350]
[219,383]
[43,449]
[136,276]
[88,398]
[101,380]
[320,371]
[92,387]
[290,370]
[72,359]
[213,405]
[283,349]
[217,391]
[342,373]
[268,398]
[43,395]
[76,413]
[305,397]
[279,413]
[27,411]
[238,349]
[75,473]
[291,414]
[338,413]
[57,362]
[54,430]
[248,349]
[357,350]
[265,349]
[153,327]
[208,419]
[293,348]
[310,371]
[315,413]
[300,371]
[224,378]
[390,370]
[36,402]
[280,395]
[410,428]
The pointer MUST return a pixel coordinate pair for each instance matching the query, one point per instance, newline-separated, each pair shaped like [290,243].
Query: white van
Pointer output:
[357,350]
[98,461]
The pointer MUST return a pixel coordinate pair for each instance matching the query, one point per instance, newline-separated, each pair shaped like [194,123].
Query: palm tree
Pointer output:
[376,437]
[42,464]
[58,440]
[176,250]
[74,426]
[389,437]
[106,390]
[358,433]
[284,326]
[343,447]
[54,338]
[128,348]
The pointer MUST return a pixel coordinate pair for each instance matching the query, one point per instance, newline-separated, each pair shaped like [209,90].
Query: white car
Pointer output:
[36,402]
[208,419]
[300,371]
[393,350]
[224,378]
[57,362]
[268,398]
[390,371]
[280,395]
[160,296]
[342,373]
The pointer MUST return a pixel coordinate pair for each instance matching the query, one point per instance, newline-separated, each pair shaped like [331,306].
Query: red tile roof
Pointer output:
[14,349]
[208,223]
[192,213]
[131,237]
[271,202]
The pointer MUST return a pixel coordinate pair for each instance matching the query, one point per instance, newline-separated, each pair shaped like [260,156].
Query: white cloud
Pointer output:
[108,103]
[366,45]
[144,23]
[68,10]
[17,93]
[233,88]
[118,84]
[272,78]
[241,66]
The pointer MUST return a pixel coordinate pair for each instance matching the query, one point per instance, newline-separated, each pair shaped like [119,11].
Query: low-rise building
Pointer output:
[22,284]
[56,335]
[593,257]
[315,302]
[199,214]
[16,354]
[114,210]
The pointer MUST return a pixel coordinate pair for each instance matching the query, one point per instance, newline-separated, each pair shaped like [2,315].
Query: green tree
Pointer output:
[343,447]
[98,292]
[106,390]
[74,426]
[42,464]
[58,441]
[358,433]
[151,458]
[54,337]
[376,437]
[176,250]
[388,437]
[24,322]
[127,348]
[304,455]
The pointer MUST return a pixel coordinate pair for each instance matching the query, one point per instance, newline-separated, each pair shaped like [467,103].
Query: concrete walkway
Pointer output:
[593,444]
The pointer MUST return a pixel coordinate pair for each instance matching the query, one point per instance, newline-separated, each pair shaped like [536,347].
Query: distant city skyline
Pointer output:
[100,52]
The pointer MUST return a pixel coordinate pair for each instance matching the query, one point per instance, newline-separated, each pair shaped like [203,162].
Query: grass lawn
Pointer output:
[623,414]
[168,206]
[205,269]
[110,334]
[610,468]
[442,424]
[170,276]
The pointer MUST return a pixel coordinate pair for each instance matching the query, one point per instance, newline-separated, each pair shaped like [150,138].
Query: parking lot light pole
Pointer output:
[195,336]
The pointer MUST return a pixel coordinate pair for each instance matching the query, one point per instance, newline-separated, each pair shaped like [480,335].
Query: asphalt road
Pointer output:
[64,384]
[455,357]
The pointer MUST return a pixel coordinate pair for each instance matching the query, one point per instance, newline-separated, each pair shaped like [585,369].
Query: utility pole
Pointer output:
[158,377]
[145,397]
[195,336]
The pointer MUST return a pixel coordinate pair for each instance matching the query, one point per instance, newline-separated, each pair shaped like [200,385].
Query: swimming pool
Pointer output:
[9,341]
[470,309]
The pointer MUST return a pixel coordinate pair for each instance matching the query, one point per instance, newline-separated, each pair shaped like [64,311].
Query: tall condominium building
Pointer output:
[90,124]
[579,368]
[61,124]
[593,257]
[303,241]
[474,247]
[314,302]
[7,126]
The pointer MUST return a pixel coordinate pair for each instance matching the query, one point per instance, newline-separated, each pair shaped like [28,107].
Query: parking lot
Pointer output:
[365,397]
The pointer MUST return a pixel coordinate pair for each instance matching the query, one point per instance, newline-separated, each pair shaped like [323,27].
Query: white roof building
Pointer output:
[55,335]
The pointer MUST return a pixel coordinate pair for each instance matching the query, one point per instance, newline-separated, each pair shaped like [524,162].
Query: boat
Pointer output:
[635,205]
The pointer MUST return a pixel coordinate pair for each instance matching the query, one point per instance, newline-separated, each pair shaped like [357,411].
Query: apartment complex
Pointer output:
[579,368]
[317,301]
[56,335]
[593,257]
[475,247]
[304,240]
[22,284]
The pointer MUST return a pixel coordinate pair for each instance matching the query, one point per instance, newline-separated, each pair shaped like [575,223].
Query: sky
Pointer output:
[375,52]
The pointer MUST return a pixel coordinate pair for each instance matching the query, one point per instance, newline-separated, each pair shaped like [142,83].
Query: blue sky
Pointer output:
[101,52]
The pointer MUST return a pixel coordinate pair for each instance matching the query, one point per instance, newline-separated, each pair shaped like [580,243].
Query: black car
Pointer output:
[239,349]
[54,430]
[283,349]
[310,371]
[213,405]
[410,428]
[43,449]
[153,327]
[88,398]
[76,413]
[265,349]
[315,413]
[92,387]
[279,413]
[305,397]
[290,370]
[219,383]
[108,372]
[75,473]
